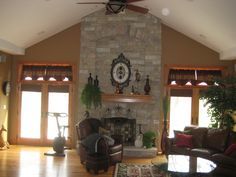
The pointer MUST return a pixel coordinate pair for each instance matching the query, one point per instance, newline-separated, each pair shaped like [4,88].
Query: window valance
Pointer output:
[46,73]
[192,76]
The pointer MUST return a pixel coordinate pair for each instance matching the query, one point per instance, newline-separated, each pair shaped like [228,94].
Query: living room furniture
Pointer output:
[208,143]
[90,126]
[96,162]
[183,165]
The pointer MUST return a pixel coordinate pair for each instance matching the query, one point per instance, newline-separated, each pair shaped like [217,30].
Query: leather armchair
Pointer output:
[89,126]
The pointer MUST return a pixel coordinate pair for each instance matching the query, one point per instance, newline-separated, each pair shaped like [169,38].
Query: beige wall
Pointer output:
[180,50]
[177,49]
[5,71]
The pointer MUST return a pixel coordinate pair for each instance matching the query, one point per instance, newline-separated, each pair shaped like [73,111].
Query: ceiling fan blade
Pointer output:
[137,8]
[91,3]
[130,1]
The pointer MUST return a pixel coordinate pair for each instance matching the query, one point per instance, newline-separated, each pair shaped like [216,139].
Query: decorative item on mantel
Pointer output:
[137,80]
[147,87]
[120,73]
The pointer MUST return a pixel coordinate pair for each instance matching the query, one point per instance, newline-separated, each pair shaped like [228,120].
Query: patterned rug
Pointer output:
[137,170]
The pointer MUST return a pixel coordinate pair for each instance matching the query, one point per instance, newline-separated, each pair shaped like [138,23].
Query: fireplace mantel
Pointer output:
[127,98]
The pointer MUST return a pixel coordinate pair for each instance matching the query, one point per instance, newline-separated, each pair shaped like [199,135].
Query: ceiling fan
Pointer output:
[116,6]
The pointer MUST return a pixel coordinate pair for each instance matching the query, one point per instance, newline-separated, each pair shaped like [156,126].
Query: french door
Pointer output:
[37,126]
[186,108]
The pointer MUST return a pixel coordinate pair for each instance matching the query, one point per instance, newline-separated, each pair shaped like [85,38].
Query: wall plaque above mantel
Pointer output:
[127,98]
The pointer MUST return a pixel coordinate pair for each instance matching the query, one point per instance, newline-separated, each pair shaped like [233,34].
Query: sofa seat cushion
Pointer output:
[203,152]
[180,150]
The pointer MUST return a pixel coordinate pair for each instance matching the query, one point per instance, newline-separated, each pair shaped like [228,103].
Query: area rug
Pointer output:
[137,170]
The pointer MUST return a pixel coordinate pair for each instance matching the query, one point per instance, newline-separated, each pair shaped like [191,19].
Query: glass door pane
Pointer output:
[30,114]
[204,119]
[58,102]
[180,113]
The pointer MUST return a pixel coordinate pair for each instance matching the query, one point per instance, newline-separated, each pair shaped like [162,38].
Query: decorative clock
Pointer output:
[120,72]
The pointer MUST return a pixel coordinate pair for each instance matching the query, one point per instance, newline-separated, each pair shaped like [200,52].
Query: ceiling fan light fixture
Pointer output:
[115,7]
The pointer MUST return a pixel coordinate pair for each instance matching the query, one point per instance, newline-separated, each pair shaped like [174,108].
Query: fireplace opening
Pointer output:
[122,126]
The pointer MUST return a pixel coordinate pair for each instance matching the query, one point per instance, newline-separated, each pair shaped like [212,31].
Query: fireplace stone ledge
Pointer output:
[132,151]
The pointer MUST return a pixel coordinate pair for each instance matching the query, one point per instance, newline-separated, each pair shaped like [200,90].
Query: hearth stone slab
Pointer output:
[132,151]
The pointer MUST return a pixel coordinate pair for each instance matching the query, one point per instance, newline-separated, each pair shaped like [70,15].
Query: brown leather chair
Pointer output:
[90,126]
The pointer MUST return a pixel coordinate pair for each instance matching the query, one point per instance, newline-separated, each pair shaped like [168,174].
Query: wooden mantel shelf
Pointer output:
[127,98]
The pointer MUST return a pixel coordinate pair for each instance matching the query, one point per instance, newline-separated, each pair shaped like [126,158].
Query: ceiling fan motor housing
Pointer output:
[116,6]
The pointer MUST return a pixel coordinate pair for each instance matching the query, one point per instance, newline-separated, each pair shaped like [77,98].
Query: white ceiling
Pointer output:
[26,22]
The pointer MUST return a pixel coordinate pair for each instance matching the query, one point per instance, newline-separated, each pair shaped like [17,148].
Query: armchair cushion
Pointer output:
[91,142]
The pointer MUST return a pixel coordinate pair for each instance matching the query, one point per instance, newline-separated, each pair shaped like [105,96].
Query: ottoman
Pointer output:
[96,162]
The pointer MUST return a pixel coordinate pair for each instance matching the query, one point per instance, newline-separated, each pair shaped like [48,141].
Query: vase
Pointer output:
[147,87]
[139,141]
[164,136]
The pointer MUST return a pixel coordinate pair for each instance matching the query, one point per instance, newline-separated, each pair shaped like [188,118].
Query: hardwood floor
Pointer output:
[27,161]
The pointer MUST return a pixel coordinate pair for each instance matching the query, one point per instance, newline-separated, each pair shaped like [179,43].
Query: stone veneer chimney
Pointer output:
[138,37]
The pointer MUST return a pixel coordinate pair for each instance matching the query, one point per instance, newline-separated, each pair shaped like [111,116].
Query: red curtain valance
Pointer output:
[59,73]
[195,77]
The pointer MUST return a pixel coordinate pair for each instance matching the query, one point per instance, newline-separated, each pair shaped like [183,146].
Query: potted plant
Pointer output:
[148,139]
[221,99]
[91,94]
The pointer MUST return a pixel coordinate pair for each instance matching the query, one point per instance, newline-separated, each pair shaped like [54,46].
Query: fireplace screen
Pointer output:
[122,126]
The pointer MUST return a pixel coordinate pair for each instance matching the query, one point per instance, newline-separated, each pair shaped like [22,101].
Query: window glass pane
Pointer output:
[58,102]
[204,119]
[180,113]
[30,114]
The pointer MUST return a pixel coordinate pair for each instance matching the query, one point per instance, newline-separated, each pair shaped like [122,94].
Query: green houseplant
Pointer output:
[221,99]
[91,94]
[148,139]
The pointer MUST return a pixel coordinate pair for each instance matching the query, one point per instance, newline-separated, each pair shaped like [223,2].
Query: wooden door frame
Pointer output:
[71,85]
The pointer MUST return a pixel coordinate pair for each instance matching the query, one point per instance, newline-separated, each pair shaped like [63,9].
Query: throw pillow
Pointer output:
[110,141]
[183,140]
[231,149]
[187,132]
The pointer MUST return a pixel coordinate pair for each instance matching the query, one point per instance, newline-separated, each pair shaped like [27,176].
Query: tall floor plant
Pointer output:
[165,109]
[221,98]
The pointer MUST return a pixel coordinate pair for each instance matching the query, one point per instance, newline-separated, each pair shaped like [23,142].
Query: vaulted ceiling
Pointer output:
[27,22]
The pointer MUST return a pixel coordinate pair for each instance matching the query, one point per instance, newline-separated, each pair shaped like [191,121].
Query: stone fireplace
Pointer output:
[122,126]
[138,37]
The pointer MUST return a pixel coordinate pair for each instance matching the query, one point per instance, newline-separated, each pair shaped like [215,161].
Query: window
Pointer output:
[180,109]
[204,119]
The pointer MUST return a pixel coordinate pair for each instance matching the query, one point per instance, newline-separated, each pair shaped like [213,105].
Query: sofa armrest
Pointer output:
[221,159]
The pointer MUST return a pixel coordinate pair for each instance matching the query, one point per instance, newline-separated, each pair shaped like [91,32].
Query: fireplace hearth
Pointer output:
[121,126]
